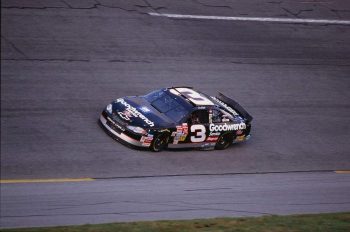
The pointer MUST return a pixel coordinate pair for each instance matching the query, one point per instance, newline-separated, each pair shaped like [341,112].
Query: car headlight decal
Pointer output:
[109,108]
[137,129]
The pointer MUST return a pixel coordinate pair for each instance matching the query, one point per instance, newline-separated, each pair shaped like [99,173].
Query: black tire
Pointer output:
[224,141]
[160,142]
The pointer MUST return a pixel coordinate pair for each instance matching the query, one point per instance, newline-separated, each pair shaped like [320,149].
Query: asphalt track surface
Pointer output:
[163,198]
[63,61]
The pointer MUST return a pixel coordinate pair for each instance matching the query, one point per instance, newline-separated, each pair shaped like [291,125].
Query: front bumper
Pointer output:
[121,136]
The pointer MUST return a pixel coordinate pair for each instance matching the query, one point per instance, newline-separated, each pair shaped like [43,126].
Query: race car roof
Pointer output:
[191,95]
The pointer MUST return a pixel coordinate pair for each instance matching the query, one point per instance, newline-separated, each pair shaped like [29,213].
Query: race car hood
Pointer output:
[136,111]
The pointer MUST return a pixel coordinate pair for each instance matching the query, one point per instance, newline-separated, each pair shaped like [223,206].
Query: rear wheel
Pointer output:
[224,141]
[159,142]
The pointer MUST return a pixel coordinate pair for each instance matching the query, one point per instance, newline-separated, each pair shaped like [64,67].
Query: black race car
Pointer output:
[177,117]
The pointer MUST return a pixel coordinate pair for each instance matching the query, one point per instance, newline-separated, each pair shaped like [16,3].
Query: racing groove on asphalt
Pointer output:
[63,62]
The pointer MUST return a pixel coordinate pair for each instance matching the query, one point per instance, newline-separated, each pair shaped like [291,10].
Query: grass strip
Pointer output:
[332,222]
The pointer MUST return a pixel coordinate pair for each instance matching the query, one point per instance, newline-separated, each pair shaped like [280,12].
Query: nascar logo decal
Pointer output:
[227,127]
[134,112]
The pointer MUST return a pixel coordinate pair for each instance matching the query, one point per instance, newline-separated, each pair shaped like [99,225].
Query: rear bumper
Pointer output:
[121,136]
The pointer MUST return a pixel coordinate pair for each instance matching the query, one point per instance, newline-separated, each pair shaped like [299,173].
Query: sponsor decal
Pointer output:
[240,138]
[115,124]
[181,133]
[121,128]
[227,127]
[212,138]
[214,133]
[134,112]
[146,140]
[184,132]
[227,107]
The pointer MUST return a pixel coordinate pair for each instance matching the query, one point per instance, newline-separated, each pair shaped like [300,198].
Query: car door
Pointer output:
[198,124]
[195,129]
[222,123]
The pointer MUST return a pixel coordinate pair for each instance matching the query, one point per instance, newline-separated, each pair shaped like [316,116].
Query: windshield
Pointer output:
[167,104]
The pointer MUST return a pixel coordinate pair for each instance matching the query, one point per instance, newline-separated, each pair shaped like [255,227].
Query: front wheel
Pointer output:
[224,141]
[159,142]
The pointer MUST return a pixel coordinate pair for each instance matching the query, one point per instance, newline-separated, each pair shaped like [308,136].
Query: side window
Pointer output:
[199,117]
[217,115]
[220,116]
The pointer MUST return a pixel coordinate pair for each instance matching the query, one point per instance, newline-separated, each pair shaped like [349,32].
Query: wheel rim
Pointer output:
[159,143]
[223,143]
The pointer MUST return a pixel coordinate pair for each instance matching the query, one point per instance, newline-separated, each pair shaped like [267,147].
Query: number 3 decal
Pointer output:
[200,133]
[194,97]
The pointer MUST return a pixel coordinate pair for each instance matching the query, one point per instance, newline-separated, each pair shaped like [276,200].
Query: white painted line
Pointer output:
[256,19]
[16,181]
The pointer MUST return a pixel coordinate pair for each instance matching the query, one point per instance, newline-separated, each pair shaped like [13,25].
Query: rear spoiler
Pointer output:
[235,106]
